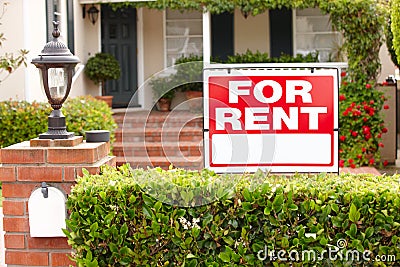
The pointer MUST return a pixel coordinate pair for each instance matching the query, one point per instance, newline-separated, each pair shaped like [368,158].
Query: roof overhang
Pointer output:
[110,1]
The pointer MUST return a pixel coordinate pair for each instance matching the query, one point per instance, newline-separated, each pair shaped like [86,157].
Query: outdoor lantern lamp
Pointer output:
[93,14]
[56,64]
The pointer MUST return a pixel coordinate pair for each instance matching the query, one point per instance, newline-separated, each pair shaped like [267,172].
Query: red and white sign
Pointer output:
[280,120]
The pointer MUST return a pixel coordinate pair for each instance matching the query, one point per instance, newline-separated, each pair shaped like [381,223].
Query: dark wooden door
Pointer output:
[118,37]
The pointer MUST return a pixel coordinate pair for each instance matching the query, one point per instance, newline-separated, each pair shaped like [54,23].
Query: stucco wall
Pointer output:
[251,33]
[23,25]
[388,68]
[87,43]
[153,46]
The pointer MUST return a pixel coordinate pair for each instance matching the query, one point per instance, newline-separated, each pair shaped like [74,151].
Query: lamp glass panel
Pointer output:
[58,80]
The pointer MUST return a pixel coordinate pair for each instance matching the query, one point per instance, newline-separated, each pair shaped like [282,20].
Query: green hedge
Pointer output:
[21,120]
[178,223]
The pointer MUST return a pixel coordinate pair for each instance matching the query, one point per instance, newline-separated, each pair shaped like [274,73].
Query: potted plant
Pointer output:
[162,92]
[189,74]
[100,68]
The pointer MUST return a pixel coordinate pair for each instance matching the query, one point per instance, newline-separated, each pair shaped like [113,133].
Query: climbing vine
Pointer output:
[395,17]
[361,22]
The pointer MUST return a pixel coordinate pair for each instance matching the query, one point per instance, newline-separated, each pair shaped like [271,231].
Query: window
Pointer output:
[62,11]
[183,35]
[313,33]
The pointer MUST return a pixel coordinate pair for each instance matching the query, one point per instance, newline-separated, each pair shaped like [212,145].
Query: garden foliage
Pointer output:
[152,217]
[395,25]
[361,125]
[22,121]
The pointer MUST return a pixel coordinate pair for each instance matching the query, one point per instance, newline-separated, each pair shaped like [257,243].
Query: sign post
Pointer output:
[278,119]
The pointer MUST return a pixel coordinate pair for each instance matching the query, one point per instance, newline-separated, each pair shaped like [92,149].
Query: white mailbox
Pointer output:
[47,212]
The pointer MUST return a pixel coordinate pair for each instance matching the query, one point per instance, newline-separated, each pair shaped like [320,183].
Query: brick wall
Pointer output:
[23,167]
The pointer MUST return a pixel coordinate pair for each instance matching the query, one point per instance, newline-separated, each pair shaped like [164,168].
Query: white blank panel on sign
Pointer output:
[271,149]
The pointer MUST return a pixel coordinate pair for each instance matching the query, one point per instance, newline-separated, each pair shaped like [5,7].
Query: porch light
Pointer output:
[56,64]
[93,14]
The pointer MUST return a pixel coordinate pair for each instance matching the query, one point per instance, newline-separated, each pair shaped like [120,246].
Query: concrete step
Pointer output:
[191,162]
[170,149]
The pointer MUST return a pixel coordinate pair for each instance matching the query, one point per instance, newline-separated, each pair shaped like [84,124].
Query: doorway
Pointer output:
[119,38]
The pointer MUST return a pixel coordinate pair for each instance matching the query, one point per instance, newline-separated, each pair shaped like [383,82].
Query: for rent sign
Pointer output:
[282,120]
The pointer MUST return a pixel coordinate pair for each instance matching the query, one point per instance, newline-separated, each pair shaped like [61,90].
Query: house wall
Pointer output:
[87,43]
[251,33]
[23,25]
[153,46]
[388,68]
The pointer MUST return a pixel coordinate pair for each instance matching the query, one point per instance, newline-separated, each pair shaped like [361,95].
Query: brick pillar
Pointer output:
[23,167]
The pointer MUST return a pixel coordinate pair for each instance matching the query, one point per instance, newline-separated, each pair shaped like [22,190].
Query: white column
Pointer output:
[206,38]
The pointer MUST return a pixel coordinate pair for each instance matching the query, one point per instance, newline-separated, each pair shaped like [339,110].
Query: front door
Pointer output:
[118,37]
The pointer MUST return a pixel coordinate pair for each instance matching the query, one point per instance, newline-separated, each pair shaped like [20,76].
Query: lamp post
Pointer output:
[56,64]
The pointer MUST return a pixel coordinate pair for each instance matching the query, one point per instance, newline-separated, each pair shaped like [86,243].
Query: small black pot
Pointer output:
[96,136]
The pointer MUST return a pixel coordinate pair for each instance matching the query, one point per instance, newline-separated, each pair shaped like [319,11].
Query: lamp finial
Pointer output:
[56,31]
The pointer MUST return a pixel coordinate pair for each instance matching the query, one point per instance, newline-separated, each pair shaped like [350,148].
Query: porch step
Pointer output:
[191,163]
[170,149]
[165,134]
[156,119]
[159,139]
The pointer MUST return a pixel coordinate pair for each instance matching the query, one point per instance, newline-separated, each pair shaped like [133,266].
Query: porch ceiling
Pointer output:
[110,1]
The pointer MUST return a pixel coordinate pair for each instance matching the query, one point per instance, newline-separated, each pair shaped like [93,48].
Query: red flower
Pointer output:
[341,163]
[368,86]
[381,144]
[385,163]
[371,102]
[371,161]
[386,106]
[368,136]
[340,150]
[351,161]
[371,112]
[354,134]
[384,130]
[359,156]
[365,119]
[363,149]
[345,113]
[343,73]
[379,136]
[352,166]
[345,83]
[366,107]
[342,138]
[342,97]
[366,129]
[353,105]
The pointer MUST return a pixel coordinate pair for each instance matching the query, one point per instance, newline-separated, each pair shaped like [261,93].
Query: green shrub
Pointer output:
[361,124]
[22,121]
[102,67]
[86,113]
[114,223]
[395,26]
[189,73]
[258,57]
